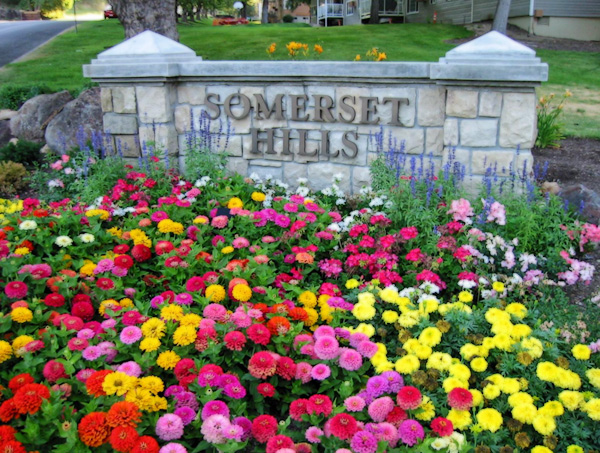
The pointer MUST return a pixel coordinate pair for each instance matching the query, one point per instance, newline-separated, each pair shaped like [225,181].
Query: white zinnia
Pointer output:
[63,241]
[28,225]
[87,237]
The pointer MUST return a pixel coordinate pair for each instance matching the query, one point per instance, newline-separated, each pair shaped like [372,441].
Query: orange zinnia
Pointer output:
[298,314]
[278,325]
[93,430]
[305,258]
[30,397]
[123,413]
[94,383]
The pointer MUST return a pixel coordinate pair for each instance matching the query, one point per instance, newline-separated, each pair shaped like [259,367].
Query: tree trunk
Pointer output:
[265,12]
[140,15]
[374,12]
[501,16]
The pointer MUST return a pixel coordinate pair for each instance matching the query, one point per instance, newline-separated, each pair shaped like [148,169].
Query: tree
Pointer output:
[501,16]
[140,15]
[374,12]
[265,12]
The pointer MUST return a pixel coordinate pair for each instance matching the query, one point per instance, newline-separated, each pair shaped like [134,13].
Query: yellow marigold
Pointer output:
[366,298]
[409,319]
[465,297]
[107,304]
[451,383]
[352,283]
[149,344]
[498,287]
[126,302]
[97,213]
[190,319]
[312,317]
[363,311]
[171,312]
[6,351]
[427,408]
[200,219]
[570,399]
[440,361]
[592,408]
[140,238]
[118,383]
[489,419]
[503,341]
[259,197]
[389,295]
[479,365]
[516,309]
[140,396]
[429,305]
[477,397]
[423,352]
[389,316]
[215,293]
[430,336]
[520,331]
[540,449]
[520,398]
[533,346]
[22,251]
[168,226]
[19,343]
[184,335]
[575,449]
[308,299]
[510,386]
[87,268]
[21,315]
[524,412]
[552,409]
[407,364]
[469,350]
[325,313]
[114,231]
[491,391]
[366,329]
[494,315]
[154,328]
[581,352]
[460,371]
[323,299]
[242,292]
[235,202]
[460,419]
[152,383]
[155,404]
[544,424]
[167,360]
[227,250]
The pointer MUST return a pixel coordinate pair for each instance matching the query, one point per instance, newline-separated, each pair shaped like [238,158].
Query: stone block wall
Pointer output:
[315,119]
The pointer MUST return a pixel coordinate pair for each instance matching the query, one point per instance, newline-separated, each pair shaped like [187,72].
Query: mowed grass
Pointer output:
[58,64]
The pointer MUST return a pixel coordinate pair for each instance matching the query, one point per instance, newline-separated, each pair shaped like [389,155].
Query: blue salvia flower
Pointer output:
[581,207]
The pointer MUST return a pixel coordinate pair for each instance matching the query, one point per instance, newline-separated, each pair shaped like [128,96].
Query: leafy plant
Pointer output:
[12,177]
[288,19]
[550,130]
[104,175]
[23,152]
[14,96]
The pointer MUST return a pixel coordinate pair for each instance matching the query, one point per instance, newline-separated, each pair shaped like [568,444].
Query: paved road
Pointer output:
[19,37]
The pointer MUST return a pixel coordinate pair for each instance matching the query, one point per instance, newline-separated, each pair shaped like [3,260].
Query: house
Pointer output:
[575,19]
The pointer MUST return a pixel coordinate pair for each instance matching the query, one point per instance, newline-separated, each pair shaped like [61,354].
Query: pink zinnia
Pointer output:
[461,210]
[324,331]
[215,407]
[157,216]
[53,371]
[16,290]
[91,353]
[213,428]
[240,243]
[219,222]
[350,360]
[354,404]
[173,447]
[367,348]
[77,344]
[410,432]
[303,371]
[363,442]
[216,312]
[409,397]
[460,399]
[130,368]
[169,427]
[320,372]
[380,408]
[130,335]
[326,348]
[313,435]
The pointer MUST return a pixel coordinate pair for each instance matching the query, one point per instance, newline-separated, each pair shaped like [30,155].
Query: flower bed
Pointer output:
[238,315]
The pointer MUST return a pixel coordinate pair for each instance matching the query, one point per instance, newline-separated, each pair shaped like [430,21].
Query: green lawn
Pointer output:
[58,64]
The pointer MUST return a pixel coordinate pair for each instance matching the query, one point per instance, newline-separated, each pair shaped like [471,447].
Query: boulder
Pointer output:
[5,134]
[84,112]
[6,114]
[578,196]
[34,115]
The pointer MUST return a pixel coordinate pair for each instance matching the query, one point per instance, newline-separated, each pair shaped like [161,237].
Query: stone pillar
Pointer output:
[490,119]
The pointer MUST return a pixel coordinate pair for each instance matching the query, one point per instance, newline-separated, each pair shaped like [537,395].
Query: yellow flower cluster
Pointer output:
[19,344]
[235,202]
[116,232]
[242,292]
[97,213]
[567,379]
[272,48]
[9,207]
[259,197]
[184,335]
[215,293]
[167,360]
[168,226]
[154,328]
[145,394]
[6,351]
[118,383]
[295,47]
[140,238]
[581,352]
[171,312]
[375,55]
[21,315]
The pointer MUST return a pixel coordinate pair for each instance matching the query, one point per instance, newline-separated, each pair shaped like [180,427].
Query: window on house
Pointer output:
[350,8]
[412,7]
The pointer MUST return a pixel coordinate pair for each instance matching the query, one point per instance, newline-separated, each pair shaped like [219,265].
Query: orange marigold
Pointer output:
[123,438]
[305,258]
[93,430]
[94,383]
[298,314]
[278,325]
[123,413]
[30,397]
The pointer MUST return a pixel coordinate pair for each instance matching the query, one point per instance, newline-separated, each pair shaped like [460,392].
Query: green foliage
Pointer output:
[103,177]
[288,19]
[201,161]
[550,130]
[383,177]
[55,9]
[12,177]
[23,152]
[13,96]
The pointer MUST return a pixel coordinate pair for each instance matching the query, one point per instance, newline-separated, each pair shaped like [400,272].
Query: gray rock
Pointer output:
[577,196]
[85,111]
[5,134]
[34,115]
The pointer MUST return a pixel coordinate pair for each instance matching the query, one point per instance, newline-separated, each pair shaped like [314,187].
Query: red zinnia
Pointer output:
[53,371]
[234,341]
[12,446]
[195,284]
[120,249]
[105,283]
[320,404]
[123,438]
[265,389]
[185,368]
[19,381]
[141,253]
[83,310]
[30,397]
[460,399]
[7,433]
[298,314]
[442,426]
[93,384]
[298,408]
[93,430]
[409,397]
[123,413]
[286,368]
[123,261]
[396,417]
[146,444]
[262,365]
[16,290]
[8,410]
[163,247]
[259,334]
[54,300]
[278,442]
[264,427]
[343,426]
